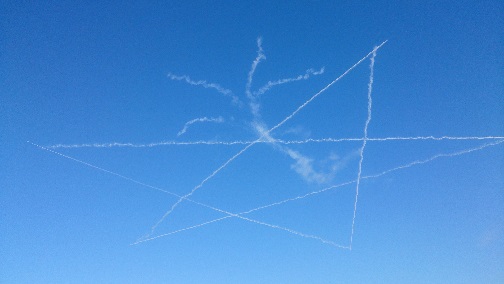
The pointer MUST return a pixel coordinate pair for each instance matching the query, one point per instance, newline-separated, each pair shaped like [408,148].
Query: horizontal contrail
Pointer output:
[279,141]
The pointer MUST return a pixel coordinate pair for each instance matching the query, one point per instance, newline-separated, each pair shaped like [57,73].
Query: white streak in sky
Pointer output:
[271,84]
[278,141]
[266,133]
[203,119]
[368,120]
[195,202]
[206,85]
[402,167]
[417,162]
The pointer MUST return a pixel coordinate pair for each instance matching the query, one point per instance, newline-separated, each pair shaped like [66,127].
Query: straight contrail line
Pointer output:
[190,200]
[263,135]
[402,167]
[279,141]
[368,120]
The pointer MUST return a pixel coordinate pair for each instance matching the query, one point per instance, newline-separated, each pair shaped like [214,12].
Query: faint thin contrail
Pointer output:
[266,133]
[368,120]
[206,85]
[405,166]
[202,119]
[278,141]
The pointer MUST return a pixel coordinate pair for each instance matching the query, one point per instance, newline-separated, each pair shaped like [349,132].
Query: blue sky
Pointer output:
[213,97]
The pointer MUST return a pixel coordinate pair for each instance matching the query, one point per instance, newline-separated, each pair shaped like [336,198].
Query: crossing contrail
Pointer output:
[260,55]
[313,193]
[229,215]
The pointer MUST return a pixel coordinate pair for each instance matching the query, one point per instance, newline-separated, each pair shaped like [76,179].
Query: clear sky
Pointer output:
[133,108]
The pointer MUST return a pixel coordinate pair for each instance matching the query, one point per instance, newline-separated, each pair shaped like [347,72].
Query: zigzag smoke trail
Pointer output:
[266,133]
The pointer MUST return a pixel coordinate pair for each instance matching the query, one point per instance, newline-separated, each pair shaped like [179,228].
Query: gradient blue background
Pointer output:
[85,73]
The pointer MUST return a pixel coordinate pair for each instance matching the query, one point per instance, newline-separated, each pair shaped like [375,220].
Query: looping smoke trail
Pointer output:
[202,119]
[405,166]
[278,141]
[260,55]
[271,84]
[206,85]
[368,120]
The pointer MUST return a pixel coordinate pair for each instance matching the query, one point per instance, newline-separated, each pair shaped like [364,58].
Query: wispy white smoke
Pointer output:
[207,85]
[202,119]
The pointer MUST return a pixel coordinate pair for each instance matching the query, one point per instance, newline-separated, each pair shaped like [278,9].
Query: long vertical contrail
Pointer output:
[267,132]
[368,120]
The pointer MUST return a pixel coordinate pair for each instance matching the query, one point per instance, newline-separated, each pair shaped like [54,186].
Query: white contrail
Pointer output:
[368,120]
[195,202]
[271,84]
[266,133]
[417,162]
[405,166]
[206,85]
[202,119]
[278,141]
